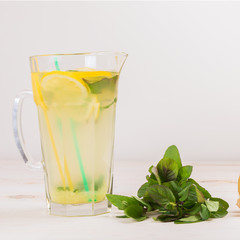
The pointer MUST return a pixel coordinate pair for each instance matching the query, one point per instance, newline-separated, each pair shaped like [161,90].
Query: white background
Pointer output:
[180,84]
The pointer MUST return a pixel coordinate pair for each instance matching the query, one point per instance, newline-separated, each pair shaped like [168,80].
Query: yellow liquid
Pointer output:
[76,115]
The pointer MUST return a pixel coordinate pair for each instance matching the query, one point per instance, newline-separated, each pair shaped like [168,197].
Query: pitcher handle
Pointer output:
[17,130]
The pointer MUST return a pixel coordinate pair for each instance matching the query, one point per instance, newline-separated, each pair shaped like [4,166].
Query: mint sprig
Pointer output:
[171,195]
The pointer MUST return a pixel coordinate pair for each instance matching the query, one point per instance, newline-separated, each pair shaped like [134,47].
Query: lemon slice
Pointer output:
[67,89]
[37,91]
[62,89]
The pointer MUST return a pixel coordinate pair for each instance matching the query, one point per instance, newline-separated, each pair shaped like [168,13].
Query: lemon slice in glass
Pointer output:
[61,88]
[67,92]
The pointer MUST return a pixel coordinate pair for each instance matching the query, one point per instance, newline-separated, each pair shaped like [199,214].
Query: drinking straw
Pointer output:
[61,133]
[76,145]
[59,123]
[56,64]
[79,155]
[54,147]
[44,108]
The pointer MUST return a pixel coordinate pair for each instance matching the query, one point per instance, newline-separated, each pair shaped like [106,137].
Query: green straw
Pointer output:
[85,184]
[79,155]
[56,64]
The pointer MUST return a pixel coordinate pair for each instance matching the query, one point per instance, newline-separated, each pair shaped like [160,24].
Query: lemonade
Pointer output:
[76,112]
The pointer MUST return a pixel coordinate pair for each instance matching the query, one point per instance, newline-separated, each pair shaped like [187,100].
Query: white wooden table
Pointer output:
[23,213]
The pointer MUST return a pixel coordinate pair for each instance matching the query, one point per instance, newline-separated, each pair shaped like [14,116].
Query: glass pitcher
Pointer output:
[76,97]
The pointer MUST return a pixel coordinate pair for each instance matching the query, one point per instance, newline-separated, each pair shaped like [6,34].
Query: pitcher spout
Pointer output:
[120,59]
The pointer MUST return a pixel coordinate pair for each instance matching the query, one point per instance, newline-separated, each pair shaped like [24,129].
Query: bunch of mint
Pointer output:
[171,195]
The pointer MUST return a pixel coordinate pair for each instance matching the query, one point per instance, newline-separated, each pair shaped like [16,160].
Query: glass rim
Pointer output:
[79,54]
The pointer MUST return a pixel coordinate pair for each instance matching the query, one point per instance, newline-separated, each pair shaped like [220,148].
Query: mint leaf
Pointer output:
[184,172]
[222,210]
[110,104]
[190,219]
[167,169]
[161,195]
[98,183]
[219,214]
[166,218]
[191,193]
[150,169]
[212,206]
[121,202]
[151,180]
[97,87]
[188,204]
[143,203]
[183,195]
[195,195]
[194,210]
[173,153]
[204,213]
[174,187]
[154,177]
[169,216]
[222,204]
[142,189]
[136,212]
[205,193]
[155,172]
